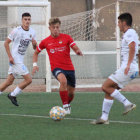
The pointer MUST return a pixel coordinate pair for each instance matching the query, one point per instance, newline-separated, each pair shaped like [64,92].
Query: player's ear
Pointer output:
[124,22]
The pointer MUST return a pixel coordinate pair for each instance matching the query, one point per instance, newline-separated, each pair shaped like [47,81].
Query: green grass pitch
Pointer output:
[30,121]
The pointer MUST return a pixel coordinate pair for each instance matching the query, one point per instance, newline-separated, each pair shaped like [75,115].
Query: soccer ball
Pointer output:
[57,113]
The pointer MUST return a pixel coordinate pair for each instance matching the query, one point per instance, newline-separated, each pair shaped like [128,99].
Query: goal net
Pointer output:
[98,36]
[11,15]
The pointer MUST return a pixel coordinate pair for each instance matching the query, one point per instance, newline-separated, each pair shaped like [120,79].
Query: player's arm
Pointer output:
[7,48]
[34,43]
[131,56]
[35,58]
[77,50]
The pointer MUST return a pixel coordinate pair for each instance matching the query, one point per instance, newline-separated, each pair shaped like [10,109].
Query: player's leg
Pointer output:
[121,80]
[7,82]
[59,74]
[110,87]
[111,91]
[12,96]
[70,93]
[70,97]
[27,81]
[70,75]
[63,89]
[107,103]
[19,69]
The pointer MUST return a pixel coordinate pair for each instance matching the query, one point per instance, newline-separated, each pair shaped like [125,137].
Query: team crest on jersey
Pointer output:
[30,36]
[60,41]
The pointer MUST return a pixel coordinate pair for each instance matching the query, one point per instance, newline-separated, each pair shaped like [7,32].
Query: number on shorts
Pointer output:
[24,67]
[134,75]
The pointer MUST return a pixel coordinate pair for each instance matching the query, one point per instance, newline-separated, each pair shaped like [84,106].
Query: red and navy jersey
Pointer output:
[58,50]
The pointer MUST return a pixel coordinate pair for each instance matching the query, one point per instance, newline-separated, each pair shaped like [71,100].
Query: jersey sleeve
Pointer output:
[130,37]
[71,41]
[12,35]
[41,46]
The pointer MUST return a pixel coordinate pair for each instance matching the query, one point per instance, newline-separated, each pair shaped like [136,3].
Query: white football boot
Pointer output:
[67,109]
[128,108]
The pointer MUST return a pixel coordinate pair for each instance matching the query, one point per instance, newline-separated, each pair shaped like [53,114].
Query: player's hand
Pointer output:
[34,41]
[35,69]
[11,60]
[79,53]
[127,69]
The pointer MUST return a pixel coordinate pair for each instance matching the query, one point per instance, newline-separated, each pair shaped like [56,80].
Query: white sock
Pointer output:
[0,92]
[66,105]
[106,108]
[16,91]
[117,95]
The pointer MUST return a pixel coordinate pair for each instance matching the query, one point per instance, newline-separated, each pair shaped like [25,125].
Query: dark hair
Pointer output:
[54,20]
[127,17]
[26,15]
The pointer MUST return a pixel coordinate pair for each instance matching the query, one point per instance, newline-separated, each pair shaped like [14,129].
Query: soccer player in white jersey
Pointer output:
[21,38]
[127,72]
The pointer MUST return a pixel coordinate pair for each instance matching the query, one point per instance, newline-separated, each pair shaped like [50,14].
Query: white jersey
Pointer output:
[129,36]
[21,40]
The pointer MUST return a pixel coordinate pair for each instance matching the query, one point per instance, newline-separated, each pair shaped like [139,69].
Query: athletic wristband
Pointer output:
[34,64]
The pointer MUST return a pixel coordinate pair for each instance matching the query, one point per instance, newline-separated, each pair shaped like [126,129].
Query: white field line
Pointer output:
[125,122]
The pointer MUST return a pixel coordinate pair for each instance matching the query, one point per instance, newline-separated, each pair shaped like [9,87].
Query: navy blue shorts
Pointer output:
[70,75]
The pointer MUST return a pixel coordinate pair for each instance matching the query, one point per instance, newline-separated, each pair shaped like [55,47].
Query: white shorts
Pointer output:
[121,79]
[18,69]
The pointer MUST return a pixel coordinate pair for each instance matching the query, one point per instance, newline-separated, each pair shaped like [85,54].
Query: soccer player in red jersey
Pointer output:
[58,47]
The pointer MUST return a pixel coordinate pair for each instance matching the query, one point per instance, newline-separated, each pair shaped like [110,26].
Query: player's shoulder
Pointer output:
[131,31]
[16,30]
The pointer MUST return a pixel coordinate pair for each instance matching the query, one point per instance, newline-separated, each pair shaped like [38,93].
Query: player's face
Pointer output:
[55,29]
[26,21]
[121,25]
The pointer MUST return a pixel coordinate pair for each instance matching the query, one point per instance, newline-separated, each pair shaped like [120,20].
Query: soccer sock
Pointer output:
[16,91]
[106,108]
[64,97]
[70,99]
[117,95]
[0,92]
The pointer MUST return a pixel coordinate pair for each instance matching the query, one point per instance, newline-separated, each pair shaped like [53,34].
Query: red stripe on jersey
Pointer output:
[38,49]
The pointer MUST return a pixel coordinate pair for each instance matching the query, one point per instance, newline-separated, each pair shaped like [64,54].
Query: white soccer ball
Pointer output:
[57,113]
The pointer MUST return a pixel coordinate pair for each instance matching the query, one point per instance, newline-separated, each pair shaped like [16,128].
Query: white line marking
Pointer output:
[66,118]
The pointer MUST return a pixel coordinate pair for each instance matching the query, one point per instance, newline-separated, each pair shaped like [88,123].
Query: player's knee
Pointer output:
[104,88]
[29,81]
[63,83]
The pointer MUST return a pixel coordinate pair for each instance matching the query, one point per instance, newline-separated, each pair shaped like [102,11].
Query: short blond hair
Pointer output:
[54,20]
